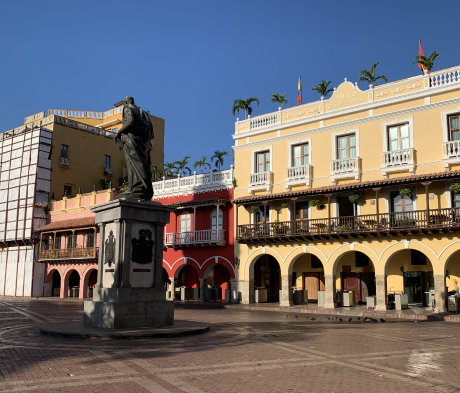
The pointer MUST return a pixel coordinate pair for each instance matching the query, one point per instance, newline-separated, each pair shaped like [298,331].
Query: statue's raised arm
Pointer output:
[134,138]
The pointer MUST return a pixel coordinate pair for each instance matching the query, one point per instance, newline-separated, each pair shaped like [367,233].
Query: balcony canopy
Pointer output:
[448,175]
[68,224]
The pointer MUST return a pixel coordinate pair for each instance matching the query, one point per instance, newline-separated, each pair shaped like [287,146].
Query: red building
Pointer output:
[198,257]
[199,239]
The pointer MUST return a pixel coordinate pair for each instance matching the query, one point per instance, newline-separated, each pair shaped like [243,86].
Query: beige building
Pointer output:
[357,192]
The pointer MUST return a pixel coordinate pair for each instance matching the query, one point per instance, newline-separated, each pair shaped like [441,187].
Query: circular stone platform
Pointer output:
[76,329]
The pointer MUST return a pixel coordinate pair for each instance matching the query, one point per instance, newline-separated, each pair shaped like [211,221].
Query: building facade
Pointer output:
[198,256]
[54,154]
[355,192]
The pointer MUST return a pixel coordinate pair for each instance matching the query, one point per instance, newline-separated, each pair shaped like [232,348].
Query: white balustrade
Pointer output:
[344,165]
[451,149]
[260,179]
[445,77]
[262,121]
[191,183]
[397,157]
[298,172]
[207,236]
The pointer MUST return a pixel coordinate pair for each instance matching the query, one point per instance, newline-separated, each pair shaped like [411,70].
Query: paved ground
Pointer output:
[245,351]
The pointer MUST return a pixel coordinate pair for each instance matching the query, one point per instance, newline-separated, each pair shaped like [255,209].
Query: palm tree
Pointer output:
[181,165]
[426,62]
[279,98]
[322,88]
[202,163]
[244,105]
[219,156]
[156,173]
[369,76]
[170,168]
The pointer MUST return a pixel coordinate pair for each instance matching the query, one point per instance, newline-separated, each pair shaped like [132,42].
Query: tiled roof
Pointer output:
[353,186]
[208,201]
[68,224]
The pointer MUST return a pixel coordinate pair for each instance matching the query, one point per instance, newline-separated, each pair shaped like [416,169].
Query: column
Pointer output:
[440,292]
[427,187]
[172,288]
[329,201]
[194,220]
[202,297]
[64,286]
[286,291]
[100,265]
[234,291]
[247,291]
[83,291]
[381,292]
[329,284]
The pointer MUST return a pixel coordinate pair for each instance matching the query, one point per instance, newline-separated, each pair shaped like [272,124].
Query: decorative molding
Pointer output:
[382,94]
[398,90]
[414,86]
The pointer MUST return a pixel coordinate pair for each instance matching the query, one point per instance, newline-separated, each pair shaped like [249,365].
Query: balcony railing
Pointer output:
[69,253]
[355,226]
[344,165]
[398,157]
[262,121]
[298,172]
[451,149]
[445,77]
[195,238]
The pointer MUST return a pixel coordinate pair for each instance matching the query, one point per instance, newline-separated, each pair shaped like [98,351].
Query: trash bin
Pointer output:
[402,302]
[227,295]
[452,303]
[348,299]
[260,295]
[370,302]
[196,293]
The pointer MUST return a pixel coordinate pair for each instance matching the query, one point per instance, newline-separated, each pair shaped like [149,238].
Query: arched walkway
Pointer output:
[307,275]
[88,283]
[216,282]
[56,283]
[72,284]
[267,279]
[453,272]
[185,283]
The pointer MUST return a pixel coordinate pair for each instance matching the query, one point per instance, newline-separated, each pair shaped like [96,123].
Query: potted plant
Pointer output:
[405,192]
[455,188]
[255,209]
[314,202]
[354,198]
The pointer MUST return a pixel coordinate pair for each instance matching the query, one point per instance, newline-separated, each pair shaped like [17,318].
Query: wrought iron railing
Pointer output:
[195,237]
[69,253]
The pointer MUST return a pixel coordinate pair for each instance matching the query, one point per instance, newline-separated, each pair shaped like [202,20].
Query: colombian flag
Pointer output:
[299,94]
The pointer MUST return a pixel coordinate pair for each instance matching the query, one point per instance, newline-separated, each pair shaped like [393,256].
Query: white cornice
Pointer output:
[428,92]
[352,123]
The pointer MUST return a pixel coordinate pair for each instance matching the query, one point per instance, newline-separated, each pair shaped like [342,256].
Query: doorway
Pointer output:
[417,285]
[363,284]
[346,208]
[314,282]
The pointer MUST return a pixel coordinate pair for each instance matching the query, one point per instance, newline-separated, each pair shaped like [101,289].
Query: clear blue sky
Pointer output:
[186,61]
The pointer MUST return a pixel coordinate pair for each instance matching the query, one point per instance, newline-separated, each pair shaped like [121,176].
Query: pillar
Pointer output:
[202,290]
[172,288]
[247,291]
[440,292]
[64,286]
[329,284]
[286,291]
[83,291]
[381,292]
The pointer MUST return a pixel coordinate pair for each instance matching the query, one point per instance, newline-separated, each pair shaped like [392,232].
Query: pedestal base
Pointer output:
[127,315]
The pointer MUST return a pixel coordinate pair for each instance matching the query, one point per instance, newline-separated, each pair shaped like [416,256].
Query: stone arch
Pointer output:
[187,275]
[344,249]
[87,282]
[297,252]
[248,269]
[212,261]
[218,275]
[447,253]
[394,248]
[267,274]
[52,282]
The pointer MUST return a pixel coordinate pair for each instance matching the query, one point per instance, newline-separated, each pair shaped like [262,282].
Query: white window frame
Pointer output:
[387,124]
[335,136]
[253,214]
[291,144]
[445,136]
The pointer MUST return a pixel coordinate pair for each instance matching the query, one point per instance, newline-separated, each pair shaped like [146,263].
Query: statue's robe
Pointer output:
[135,139]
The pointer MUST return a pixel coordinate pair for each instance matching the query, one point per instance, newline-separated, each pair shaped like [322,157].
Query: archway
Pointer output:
[356,272]
[56,284]
[217,279]
[410,272]
[267,279]
[186,283]
[165,279]
[453,273]
[74,284]
[308,275]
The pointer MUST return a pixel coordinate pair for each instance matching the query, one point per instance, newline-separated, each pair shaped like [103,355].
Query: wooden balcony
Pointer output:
[68,254]
[386,224]
[207,237]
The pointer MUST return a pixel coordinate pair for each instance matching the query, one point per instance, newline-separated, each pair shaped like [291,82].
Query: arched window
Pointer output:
[185,225]
[214,219]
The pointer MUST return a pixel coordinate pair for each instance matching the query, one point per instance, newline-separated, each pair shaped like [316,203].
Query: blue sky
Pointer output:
[186,61]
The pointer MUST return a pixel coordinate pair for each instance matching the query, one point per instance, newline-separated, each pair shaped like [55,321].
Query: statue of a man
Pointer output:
[134,138]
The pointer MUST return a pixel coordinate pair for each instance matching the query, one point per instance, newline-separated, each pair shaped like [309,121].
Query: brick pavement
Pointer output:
[244,351]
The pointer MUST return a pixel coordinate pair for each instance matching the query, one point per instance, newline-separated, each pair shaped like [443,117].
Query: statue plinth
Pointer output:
[129,292]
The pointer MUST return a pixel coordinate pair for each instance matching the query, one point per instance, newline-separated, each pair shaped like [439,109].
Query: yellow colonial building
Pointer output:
[359,192]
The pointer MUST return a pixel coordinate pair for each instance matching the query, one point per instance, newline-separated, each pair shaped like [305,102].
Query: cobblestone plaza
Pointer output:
[243,351]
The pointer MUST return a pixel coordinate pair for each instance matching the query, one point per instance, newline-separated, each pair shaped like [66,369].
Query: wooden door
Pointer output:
[352,282]
[311,285]
[367,285]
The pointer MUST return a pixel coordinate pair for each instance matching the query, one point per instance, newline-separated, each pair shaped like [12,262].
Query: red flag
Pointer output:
[420,53]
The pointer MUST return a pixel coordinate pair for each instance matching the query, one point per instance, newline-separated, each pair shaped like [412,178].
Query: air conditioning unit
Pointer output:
[64,161]
[108,171]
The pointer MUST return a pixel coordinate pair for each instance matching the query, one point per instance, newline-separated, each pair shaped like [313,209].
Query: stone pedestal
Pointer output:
[129,292]
[381,292]
[286,291]
[330,295]
[440,292]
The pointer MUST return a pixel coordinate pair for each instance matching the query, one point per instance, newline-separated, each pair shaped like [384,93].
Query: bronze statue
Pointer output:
[134,138]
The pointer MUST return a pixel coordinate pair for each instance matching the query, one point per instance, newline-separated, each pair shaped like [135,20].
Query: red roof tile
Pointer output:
[68,224]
